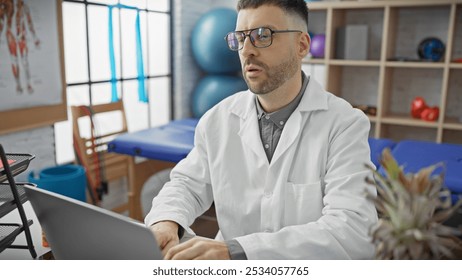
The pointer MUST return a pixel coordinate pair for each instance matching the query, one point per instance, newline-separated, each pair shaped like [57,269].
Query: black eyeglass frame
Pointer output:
[249,31]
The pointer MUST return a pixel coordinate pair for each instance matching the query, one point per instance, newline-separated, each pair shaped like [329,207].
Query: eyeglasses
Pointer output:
[261,37]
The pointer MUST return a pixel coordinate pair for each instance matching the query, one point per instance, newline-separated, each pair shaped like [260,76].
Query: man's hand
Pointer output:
[199,248]
[166,233]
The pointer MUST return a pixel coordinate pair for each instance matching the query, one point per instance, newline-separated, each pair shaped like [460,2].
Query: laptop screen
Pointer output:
[79,231]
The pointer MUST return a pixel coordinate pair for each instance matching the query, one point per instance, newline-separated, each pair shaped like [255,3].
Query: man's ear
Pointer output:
[304,45]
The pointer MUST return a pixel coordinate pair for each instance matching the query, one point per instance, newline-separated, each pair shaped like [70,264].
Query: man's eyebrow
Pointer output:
[272,27]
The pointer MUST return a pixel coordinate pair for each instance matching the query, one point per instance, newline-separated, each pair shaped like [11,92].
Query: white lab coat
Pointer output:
[308,203]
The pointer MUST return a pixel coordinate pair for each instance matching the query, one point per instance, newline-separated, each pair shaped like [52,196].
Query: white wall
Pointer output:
[41,141]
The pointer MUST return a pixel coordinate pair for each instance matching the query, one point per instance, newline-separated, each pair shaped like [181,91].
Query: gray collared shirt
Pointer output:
[271,126]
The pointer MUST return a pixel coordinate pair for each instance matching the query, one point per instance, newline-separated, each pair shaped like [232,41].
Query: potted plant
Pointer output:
[412,209]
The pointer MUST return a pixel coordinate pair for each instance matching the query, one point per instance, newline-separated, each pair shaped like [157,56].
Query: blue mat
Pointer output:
[415,155]
[171,142]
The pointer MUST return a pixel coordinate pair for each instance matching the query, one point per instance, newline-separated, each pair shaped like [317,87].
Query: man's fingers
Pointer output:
[198,248]
[175,250]
[166,234]
[167,247]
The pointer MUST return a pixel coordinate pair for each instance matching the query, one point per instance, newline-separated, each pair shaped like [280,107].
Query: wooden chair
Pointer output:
[90,137]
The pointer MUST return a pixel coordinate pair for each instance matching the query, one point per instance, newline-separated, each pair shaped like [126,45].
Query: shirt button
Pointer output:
[267,117]
[268,194]
[267,230]
[281,122]
[266,146]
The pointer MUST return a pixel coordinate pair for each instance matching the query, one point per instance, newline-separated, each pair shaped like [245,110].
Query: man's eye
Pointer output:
[263,37]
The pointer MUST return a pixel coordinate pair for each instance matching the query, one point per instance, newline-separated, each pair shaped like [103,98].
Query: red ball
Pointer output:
[418,105]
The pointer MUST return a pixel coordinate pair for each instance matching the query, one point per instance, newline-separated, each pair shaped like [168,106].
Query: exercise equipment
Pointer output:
[209,49]
[420,110]
[212,89]
[171,142]
[431,49]
[318,45]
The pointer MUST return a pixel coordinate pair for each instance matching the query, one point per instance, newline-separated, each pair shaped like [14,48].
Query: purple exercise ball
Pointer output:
[317,45]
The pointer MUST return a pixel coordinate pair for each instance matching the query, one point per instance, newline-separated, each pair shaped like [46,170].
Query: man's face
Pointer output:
[266,69]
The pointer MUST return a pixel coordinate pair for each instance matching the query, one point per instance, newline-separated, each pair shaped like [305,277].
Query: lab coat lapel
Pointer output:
[313,99]
[250,135]
[289,134]
[248,127]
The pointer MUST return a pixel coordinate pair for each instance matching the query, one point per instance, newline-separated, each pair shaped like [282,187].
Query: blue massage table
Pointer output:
[377,145]
[164,146]
[171,142]
[415,155]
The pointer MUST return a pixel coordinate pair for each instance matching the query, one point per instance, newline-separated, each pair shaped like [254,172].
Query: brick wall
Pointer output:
[39,142]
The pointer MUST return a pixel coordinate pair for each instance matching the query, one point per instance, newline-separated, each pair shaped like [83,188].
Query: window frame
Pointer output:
[121,79]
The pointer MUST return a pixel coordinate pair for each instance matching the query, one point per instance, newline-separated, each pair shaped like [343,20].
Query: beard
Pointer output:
[276,76]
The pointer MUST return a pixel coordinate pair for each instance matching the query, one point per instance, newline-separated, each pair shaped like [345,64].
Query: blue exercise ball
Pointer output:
[209,48]
[212,89]
[431,49]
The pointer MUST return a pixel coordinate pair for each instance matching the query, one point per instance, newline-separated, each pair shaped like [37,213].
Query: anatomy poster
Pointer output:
[30,72]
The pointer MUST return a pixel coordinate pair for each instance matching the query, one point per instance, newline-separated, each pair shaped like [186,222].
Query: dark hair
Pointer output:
[296,7]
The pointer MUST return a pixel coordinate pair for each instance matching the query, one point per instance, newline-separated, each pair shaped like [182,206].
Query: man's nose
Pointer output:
[248,48]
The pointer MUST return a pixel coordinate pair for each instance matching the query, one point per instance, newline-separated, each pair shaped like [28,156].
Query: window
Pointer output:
[88,64]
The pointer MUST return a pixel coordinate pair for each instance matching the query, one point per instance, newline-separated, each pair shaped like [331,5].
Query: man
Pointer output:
[283,162]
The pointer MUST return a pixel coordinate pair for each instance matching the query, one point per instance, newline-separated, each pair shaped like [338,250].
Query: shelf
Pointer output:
[314,61]
[399,132]
[7,203]
[18,163]
[452,136]
[453,125]
[342,62]
[372,119]
[407,121]
[316,6]
[348,82]
[402,85]
[8,233]
[453,112]
[395,30]
[12,196]
[408,64]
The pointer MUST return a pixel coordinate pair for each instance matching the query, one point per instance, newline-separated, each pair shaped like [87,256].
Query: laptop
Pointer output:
[79,231]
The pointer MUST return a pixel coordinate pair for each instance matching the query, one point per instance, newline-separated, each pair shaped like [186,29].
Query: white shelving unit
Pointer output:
[395,30]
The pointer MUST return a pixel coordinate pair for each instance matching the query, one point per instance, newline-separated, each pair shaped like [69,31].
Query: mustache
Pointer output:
[255,62]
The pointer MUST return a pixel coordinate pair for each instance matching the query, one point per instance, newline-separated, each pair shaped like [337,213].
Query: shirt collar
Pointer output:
[280,116]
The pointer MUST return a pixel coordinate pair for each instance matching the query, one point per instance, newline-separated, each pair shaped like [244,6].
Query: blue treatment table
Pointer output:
[164,146]
[414,155]
[377,145]
[171,142]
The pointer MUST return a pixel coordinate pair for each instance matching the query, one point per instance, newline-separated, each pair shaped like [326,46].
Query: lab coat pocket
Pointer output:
[303,203]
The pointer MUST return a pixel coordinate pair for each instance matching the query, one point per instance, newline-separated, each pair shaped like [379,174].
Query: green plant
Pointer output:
[412,208]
